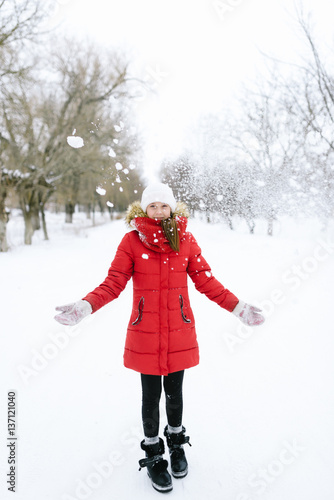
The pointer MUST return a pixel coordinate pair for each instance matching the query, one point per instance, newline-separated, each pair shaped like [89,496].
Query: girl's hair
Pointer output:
[171,232]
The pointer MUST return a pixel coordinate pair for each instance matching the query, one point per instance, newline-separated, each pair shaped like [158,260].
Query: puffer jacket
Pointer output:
[161,336]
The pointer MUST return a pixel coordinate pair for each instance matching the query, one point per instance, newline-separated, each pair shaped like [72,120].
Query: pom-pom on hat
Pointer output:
[158,192]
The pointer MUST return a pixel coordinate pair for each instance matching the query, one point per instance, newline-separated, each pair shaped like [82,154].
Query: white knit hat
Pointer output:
[158,192]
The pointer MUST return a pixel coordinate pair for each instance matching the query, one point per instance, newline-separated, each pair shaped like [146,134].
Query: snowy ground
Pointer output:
[259,408]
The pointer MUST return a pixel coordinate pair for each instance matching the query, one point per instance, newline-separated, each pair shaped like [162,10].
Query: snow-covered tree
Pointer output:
[19,30]
[183,176]
[65,134]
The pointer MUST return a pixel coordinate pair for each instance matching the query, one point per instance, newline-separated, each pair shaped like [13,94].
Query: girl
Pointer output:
[159,254]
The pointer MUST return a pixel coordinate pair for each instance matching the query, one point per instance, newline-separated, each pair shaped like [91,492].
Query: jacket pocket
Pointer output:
[140,312]
[184,317]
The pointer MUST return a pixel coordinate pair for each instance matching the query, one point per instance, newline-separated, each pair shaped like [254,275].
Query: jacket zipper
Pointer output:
[184,317]
[140,312]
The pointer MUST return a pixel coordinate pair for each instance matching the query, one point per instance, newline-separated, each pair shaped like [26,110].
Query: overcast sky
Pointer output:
[194,52]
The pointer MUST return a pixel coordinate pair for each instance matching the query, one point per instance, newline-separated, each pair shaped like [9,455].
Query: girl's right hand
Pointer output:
[71,314]
[250,315]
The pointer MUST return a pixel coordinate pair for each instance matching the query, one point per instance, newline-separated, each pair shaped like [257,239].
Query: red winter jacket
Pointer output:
[161,335]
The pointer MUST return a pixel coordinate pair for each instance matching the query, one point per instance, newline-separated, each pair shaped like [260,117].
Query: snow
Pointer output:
[75,141]
[101,191]
[119,127]
[259,407]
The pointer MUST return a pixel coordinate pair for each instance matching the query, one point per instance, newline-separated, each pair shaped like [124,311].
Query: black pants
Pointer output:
[152,388]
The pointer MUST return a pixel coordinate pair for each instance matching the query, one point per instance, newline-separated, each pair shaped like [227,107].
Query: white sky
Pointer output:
[195,52]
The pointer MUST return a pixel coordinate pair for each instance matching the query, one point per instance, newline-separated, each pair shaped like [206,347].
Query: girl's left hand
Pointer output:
[250,315]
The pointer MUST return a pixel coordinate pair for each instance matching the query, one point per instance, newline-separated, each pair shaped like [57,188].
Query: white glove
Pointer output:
[73,313]
[248,314]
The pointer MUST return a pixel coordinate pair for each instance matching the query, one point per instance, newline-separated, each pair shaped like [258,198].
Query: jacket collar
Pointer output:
[150,231]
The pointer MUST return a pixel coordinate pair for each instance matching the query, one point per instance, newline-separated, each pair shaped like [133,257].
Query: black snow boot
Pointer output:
[156,466]
[179,464]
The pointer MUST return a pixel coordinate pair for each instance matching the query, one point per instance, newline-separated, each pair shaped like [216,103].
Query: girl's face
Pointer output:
[158,210]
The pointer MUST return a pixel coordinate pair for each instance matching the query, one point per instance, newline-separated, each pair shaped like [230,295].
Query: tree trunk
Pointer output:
[3,238]
[251,225]
[45,231]
[35,220]
[69,211]
[93,212]
[3,222]
[28,228]
[270,226]
[230,223]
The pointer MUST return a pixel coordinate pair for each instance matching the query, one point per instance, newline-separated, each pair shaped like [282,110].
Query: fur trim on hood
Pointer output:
[135,210]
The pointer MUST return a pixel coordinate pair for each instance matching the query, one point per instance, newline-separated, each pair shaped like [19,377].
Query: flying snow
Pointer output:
[100,191]
[75,141]
[119,127]
[145,256]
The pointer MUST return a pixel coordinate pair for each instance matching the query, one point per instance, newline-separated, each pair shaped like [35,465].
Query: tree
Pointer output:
[275,151]
[86,100]
[271,147]
[181,174]
[19,24]
[309,98]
